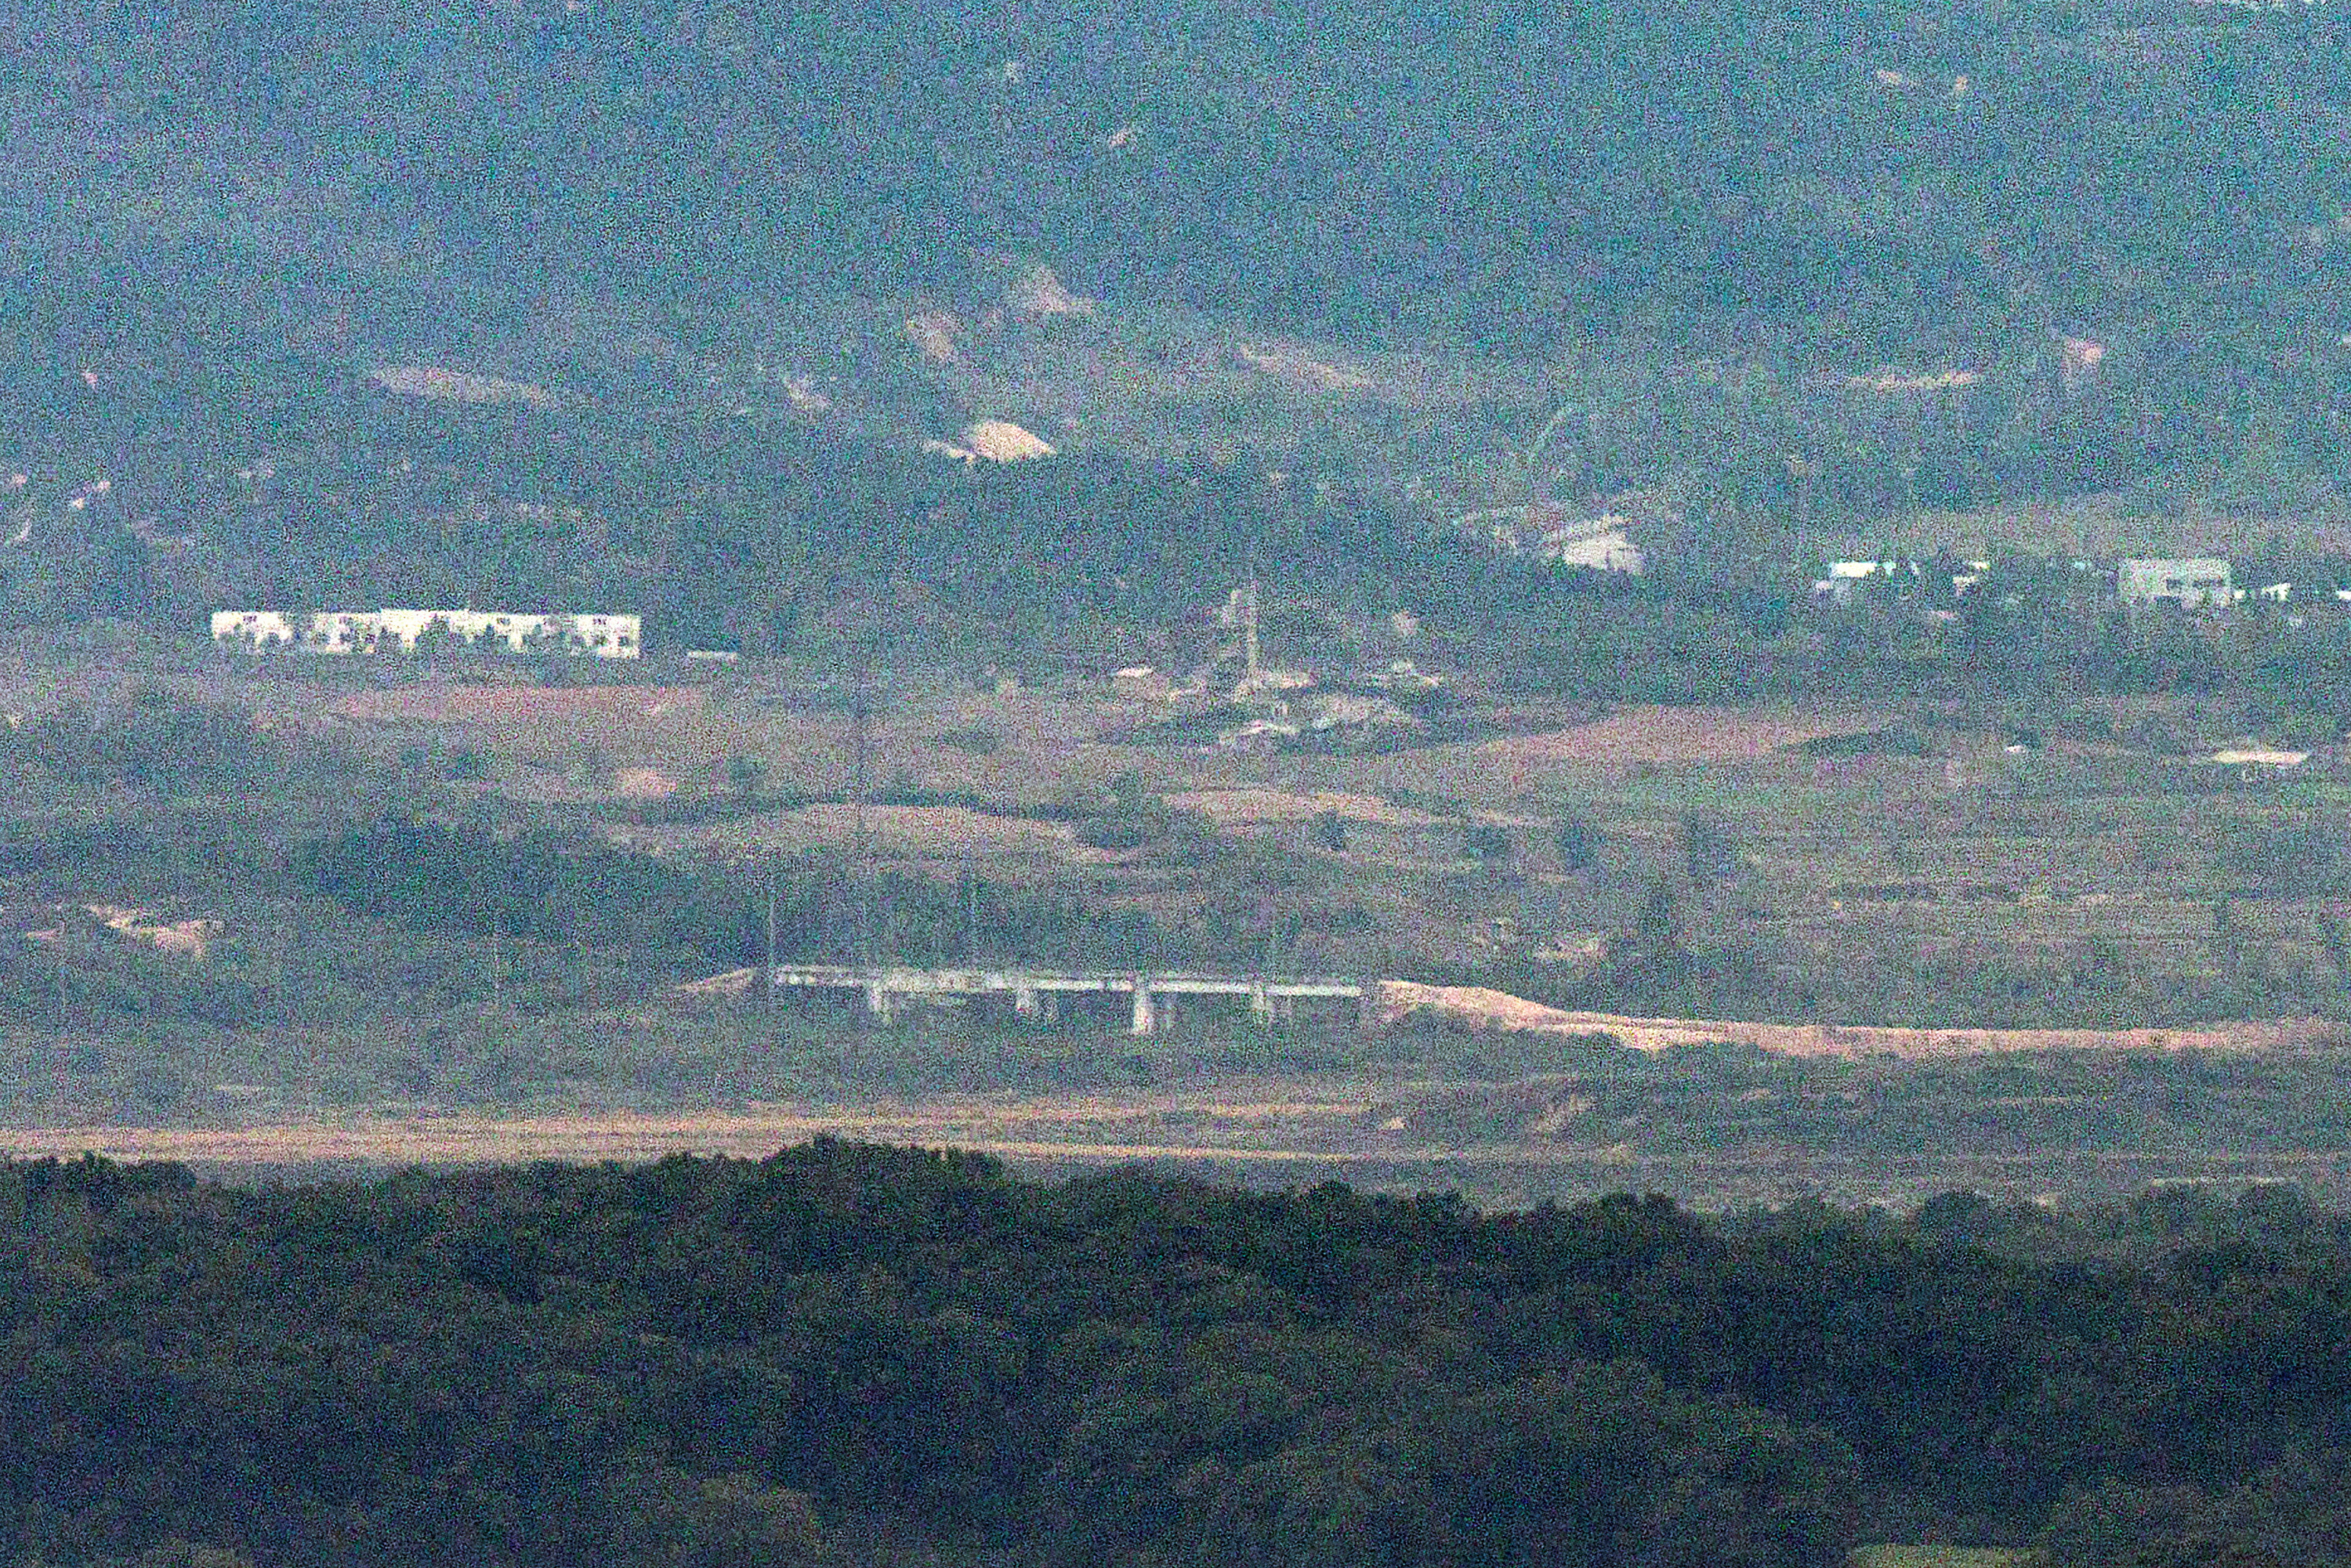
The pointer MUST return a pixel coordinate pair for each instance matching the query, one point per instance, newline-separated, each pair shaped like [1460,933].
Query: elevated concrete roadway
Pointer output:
[1033,992]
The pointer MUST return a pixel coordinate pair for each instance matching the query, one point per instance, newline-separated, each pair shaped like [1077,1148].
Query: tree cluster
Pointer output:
[559,886]
[697,1363]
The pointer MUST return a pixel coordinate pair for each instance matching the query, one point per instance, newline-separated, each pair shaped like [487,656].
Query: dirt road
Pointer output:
[1216,1126]
[1270,1143]
[1396,1135]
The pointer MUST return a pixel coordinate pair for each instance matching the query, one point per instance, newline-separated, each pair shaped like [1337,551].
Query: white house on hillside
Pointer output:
[1845,577]
[1602,543]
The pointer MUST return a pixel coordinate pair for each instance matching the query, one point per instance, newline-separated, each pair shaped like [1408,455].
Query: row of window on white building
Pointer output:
[388,631]
[2196,582]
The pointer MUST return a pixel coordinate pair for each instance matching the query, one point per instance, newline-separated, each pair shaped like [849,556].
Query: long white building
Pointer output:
[404,630]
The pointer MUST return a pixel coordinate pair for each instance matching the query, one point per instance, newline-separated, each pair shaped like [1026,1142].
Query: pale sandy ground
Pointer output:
[1479,1008]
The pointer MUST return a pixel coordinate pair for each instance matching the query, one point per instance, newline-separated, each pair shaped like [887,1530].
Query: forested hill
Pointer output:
[726,1364]
[1908,180]
[1793,269]
[1909,174]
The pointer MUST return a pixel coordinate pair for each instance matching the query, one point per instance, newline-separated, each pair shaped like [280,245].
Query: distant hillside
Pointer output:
[1917,176]
[1801,268]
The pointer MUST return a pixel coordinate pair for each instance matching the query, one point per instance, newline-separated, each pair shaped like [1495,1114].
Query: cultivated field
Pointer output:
[2105,872]
[1798,921]
[1504,1144]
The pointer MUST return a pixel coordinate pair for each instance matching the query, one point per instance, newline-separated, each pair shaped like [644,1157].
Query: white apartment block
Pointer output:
[404,630]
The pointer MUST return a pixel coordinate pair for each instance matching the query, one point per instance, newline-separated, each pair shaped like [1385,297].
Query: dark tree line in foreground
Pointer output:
[715,1361]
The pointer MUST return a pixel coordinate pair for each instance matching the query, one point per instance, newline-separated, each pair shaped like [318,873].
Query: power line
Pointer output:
[861,840]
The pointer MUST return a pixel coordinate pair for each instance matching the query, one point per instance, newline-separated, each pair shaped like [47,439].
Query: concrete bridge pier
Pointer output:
[1036,994]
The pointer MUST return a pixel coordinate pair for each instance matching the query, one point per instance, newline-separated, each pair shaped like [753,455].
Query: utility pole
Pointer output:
[767,974]
[1249,632]
[864,847]
[284,996]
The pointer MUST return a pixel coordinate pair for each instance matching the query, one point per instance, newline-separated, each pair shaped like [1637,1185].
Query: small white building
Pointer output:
[1847,576]
[2194,582]
[1602,543]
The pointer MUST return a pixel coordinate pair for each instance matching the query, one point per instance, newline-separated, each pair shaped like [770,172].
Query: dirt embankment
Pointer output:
[1479,1008]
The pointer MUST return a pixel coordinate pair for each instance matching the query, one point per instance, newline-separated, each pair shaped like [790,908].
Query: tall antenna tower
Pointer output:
[768,973]
[1248,596]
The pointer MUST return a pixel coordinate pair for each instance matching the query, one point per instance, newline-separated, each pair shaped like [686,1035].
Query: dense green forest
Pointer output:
[721,1363]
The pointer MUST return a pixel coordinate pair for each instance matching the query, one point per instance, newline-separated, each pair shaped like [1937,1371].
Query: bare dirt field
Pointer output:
[1660,734]
[645,784]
